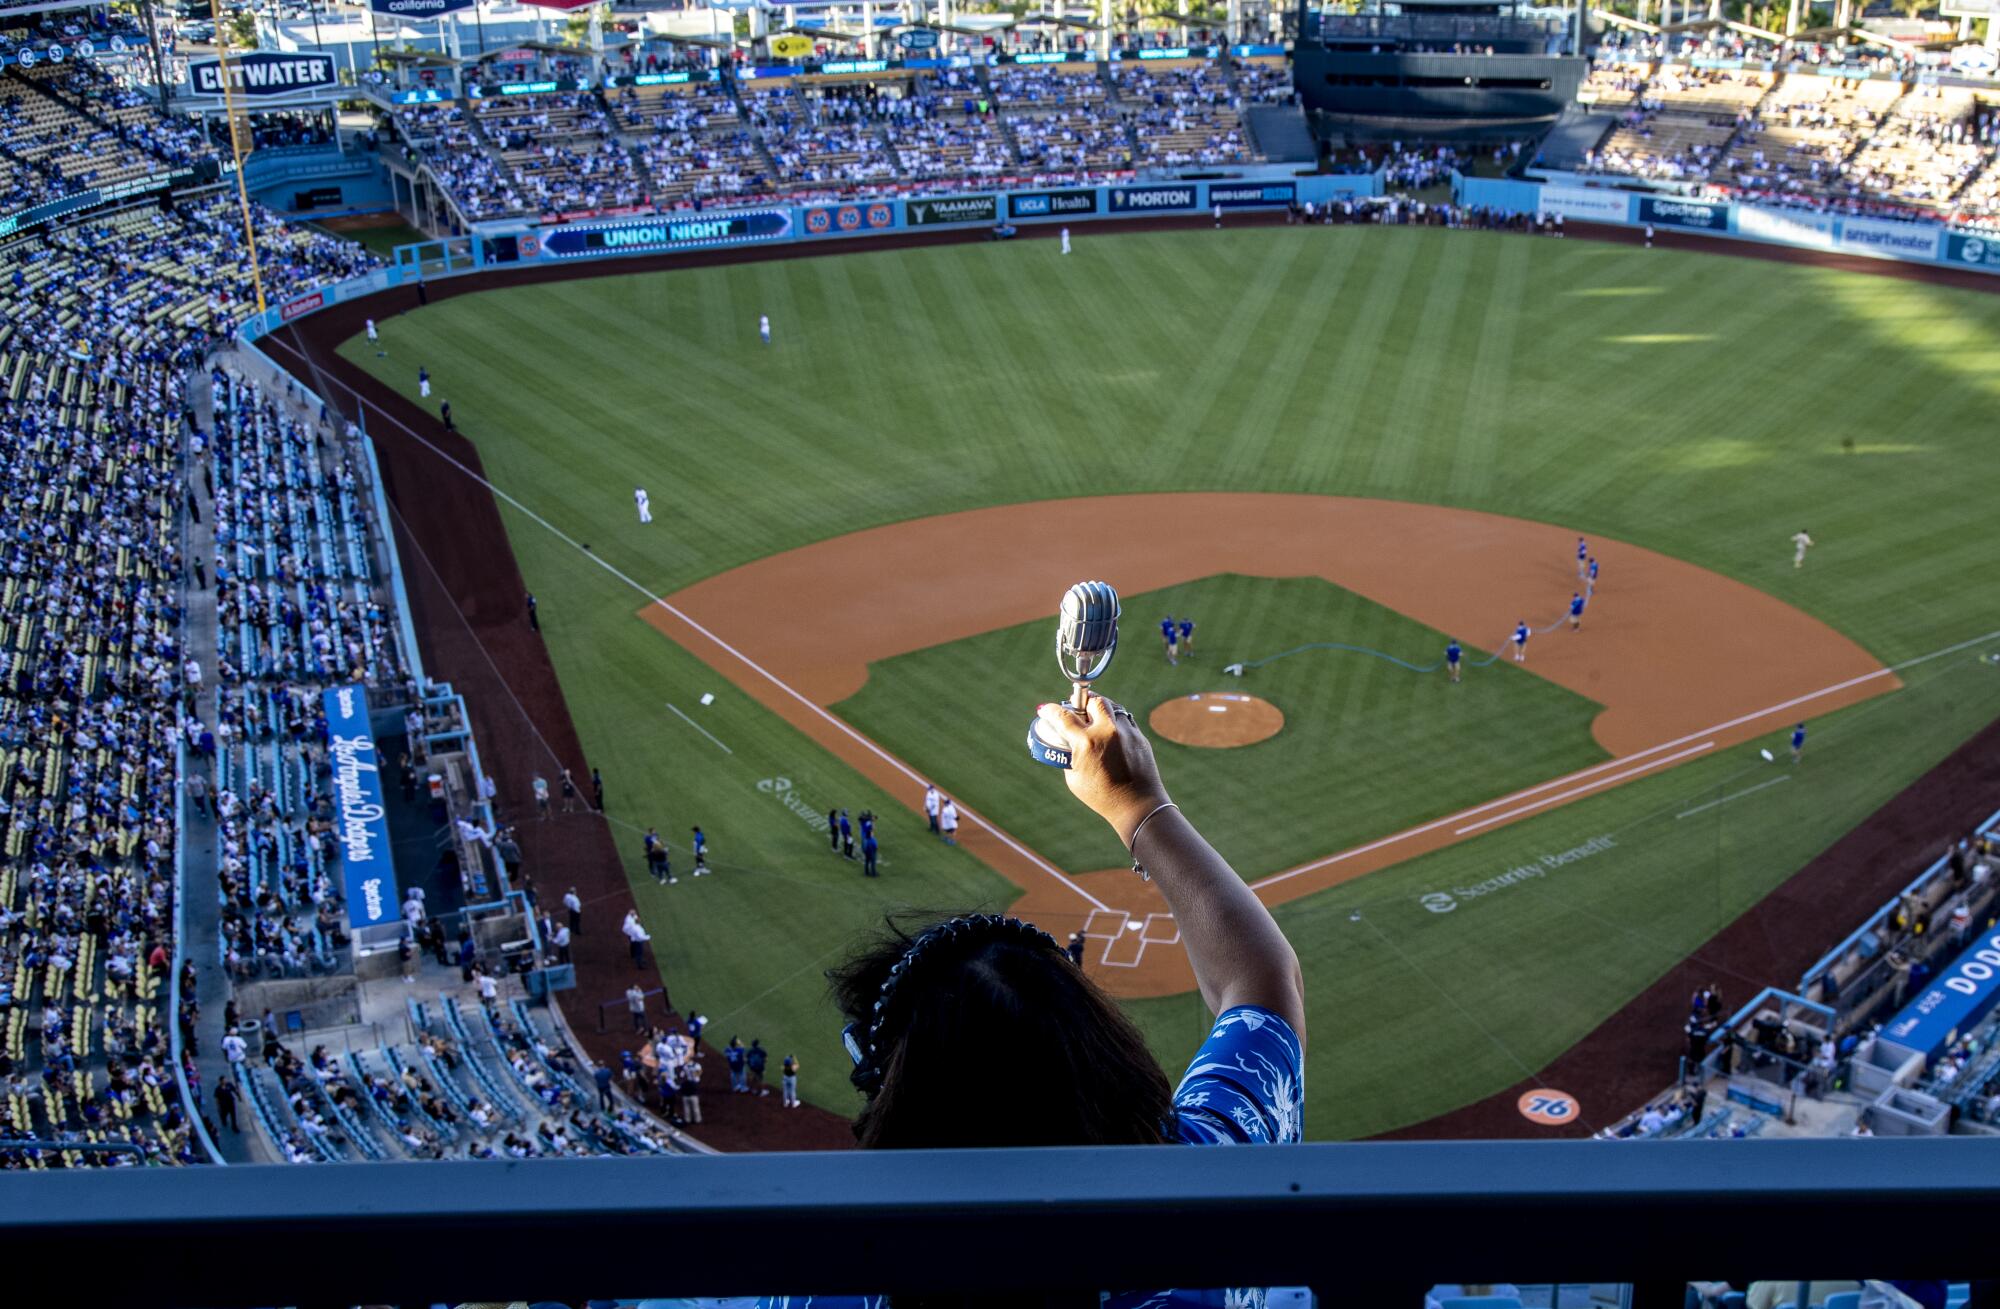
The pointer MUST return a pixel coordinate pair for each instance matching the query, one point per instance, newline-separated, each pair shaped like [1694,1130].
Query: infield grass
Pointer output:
[1369,746]
[1699,405]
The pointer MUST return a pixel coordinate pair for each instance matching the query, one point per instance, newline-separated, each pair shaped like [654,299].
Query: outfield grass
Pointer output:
[1702,406]
[1369,747]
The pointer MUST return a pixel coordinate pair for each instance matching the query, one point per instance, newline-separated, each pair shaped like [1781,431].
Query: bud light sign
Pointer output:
[1246,195]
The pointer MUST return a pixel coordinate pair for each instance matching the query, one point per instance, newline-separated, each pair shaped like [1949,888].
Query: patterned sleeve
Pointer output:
[1246,1085]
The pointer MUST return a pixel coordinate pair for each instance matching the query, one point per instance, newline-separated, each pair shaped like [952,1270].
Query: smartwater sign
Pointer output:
[1684,213]
[1151,199]
[1954,1001]
[360,824]
[1790,226]
[1584,204]
[266,75]
[957,209]
[1873,236]
[582,240]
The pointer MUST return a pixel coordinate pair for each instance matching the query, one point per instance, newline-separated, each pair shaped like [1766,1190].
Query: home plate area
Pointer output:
[1126,938]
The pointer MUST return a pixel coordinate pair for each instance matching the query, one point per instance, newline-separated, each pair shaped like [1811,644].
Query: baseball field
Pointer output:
[1332,449]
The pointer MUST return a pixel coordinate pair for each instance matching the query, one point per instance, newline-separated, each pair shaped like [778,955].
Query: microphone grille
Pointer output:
[1090,617]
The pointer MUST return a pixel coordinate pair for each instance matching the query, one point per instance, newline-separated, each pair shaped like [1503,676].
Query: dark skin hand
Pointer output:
[1239,954]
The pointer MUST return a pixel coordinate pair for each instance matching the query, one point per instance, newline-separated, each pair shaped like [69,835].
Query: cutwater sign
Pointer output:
[1876,237]
[1049,204]
[266,75]
[958,209]
[1245,195]
[1684,213]
[1151,199]
[360,824]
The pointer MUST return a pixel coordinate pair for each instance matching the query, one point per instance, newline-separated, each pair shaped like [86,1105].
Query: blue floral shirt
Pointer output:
[1245,1086]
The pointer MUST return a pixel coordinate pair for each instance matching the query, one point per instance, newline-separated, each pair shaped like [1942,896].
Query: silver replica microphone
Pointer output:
[1086,638]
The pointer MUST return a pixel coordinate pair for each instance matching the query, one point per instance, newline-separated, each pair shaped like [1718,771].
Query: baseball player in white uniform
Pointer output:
[1065,235]
[645,503]
[1800,544]
[764,328]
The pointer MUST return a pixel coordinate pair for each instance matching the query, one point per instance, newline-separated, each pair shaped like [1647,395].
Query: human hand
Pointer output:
[1111,763]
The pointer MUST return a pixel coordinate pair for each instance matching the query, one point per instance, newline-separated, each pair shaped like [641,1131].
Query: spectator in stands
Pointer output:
[942,1021]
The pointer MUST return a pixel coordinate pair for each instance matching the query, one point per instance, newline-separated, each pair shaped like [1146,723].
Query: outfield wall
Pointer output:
[1875,238]
[536,245]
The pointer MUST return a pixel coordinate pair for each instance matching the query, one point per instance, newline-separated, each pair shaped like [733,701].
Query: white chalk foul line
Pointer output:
[699,728]
[734,653]
[1607,780]
[1399,837]
[1704,808]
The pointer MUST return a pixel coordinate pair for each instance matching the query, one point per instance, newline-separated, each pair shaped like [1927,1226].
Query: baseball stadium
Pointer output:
[855,611]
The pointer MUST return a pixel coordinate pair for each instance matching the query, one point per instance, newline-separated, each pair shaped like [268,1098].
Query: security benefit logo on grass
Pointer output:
[781,787]
[1443,902]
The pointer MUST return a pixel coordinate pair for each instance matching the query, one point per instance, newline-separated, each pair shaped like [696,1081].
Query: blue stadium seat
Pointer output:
[1844,1300]
[1480,1302]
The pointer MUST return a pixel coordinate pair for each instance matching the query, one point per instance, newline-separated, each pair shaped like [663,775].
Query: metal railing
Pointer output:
[1361,1224]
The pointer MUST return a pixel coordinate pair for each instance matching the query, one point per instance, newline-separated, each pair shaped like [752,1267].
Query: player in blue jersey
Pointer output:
[1590,587]
[1187,637]
[1575,611]
[1582,557]
[1452,656]
[1798,742]
[1521,642]
[1170,634]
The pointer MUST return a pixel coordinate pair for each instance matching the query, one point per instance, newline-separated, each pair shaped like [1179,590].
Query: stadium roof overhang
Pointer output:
[422,59]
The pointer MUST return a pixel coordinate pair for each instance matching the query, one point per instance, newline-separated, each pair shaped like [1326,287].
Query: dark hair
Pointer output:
[994,1038]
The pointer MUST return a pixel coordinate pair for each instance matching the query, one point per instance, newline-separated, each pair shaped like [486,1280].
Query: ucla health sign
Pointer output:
[360,824]
[1051,204]
[1955,1000]
[583,240]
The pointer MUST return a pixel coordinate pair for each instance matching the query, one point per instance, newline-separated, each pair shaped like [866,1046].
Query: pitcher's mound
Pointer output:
[1216,719]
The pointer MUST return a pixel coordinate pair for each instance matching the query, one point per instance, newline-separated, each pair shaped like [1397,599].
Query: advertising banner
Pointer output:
[1972,250]
[1249,195]
[582,240]
[360,824]
[259,75]
[1874,236]
[1050,204]
[1697,214]
[1956,999]
[791,46]
[1585,204]
[1791,226]
[1151,199]
[833,220]
[956,209]
[419,8]
[305,304]
[917,38]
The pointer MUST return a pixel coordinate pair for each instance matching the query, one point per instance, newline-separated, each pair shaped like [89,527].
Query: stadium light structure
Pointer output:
[1367,1224]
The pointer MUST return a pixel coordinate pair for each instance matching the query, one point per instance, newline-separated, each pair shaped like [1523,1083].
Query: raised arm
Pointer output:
[1239,954]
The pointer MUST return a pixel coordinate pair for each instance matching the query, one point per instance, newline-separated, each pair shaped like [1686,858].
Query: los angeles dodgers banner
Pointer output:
[1960,995]
[360,824]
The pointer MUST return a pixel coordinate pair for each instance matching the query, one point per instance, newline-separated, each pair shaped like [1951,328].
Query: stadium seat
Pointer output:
[1480,1302]
[1844,1300]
